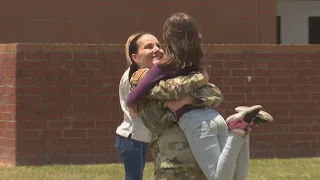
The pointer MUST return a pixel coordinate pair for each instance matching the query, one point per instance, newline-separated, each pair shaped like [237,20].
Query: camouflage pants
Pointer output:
[173,159]
[178,174]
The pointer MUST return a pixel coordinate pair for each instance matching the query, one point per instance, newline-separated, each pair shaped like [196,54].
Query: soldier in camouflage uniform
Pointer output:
[216,150]
[173,159]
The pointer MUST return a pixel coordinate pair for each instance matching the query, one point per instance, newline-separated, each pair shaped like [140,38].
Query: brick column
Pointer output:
[7,104]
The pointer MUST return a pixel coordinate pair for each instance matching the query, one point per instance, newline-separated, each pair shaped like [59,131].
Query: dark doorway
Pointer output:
[278,29]
[314,30]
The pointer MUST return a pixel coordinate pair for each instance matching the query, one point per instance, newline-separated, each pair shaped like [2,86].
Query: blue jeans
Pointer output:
[134,154]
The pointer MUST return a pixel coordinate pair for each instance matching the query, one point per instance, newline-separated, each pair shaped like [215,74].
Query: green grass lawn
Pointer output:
[266,169]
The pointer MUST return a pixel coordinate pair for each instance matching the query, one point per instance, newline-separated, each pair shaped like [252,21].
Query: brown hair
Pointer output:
[131,47]
[183,42]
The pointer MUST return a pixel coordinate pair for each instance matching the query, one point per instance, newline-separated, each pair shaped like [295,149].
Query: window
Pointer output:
[278,29]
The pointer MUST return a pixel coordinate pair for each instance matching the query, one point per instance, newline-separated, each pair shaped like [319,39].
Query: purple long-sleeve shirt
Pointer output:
[152,78]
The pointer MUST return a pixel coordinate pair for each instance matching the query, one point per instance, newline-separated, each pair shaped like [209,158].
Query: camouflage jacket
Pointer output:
[169,146]
[152,111]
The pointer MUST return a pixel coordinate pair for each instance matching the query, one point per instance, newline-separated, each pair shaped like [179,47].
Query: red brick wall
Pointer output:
[7,104]
[59,103]
[285,81]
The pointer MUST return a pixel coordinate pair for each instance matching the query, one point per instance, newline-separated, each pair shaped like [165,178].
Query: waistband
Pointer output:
[184,109]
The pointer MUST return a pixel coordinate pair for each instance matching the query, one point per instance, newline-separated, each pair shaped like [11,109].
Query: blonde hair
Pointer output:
[132,48]
[128,56]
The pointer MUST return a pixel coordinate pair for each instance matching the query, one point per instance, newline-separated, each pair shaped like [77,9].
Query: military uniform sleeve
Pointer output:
[154,75]
[178,87]
[210,96]
[174,88]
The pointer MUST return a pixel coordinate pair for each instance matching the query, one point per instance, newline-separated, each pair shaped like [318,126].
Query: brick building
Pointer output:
[59,102]
[298,21]
[112,21]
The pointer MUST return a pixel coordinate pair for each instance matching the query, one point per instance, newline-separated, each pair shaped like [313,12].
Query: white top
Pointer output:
[130,125]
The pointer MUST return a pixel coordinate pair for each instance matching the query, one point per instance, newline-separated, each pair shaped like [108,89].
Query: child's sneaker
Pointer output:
[244,119]
[262,116]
